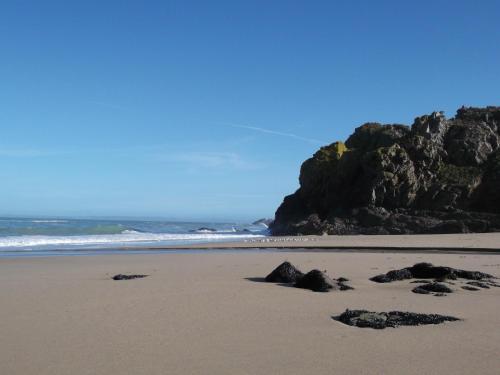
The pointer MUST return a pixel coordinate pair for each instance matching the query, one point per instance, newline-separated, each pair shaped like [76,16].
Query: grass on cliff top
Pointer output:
[331,152]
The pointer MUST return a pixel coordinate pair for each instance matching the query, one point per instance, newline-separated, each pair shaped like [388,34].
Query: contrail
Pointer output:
[268,131]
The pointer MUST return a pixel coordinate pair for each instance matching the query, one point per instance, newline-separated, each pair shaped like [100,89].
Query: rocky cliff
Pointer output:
[437,176]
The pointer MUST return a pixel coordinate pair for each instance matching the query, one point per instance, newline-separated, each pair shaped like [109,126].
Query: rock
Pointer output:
[364,319]
[284,273]
[381,320]
[466,287]
[470,143]
[487,195]
[479,284]
[432,288]
[444,281]
[128,277]
[343,286]
[429,271]
[420,282]
[371,136]
[393,276]
[492,283]
[439,176]
[317,281]
[341,282]
[472,275]
[419,290]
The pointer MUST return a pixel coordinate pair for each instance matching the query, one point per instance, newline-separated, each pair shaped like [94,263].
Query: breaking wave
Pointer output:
[126,238]
[47,234]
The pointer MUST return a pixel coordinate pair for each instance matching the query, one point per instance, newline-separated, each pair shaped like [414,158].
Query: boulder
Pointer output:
[284,273]
[317,281]
[429,271]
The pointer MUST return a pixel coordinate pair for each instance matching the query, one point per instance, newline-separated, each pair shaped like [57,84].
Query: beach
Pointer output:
[210,313]
[250,188]
[487,242]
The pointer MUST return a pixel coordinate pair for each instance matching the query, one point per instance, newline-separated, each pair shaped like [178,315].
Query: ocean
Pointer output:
[56,236]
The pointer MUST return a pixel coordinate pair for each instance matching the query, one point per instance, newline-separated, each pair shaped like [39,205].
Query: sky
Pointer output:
[206,109]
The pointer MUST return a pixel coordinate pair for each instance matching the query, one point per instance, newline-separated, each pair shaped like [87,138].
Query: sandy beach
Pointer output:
[210,313]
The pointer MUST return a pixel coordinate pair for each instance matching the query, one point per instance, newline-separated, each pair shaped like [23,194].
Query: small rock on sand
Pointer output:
[468,287]
[429,271]
[128,277]
[432,288]
[381,320]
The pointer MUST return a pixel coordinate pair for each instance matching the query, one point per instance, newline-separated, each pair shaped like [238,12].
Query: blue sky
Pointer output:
[206,109]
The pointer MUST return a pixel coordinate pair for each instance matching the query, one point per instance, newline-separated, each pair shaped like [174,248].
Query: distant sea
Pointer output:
[55,236]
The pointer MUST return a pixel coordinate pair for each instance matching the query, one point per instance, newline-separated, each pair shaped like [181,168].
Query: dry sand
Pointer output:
[205,314]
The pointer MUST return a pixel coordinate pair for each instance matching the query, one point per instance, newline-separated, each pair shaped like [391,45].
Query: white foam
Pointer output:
[205,231]
[49,221]
[128,237]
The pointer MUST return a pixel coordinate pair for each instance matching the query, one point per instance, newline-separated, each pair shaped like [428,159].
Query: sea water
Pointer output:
[56,236]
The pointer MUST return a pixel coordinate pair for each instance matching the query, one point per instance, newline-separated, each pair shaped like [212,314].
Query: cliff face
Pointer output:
[437,176]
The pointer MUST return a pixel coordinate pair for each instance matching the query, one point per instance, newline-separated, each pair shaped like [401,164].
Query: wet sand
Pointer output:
[486,242]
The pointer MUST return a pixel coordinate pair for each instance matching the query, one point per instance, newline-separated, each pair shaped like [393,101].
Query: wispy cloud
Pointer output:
[26,153]
[278,133]
[209,160]
[21,152]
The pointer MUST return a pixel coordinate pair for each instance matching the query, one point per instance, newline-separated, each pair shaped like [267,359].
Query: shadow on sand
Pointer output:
[263,280]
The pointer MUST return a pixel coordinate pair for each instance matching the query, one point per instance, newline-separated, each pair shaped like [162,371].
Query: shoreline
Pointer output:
[477,243]
[463,242]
